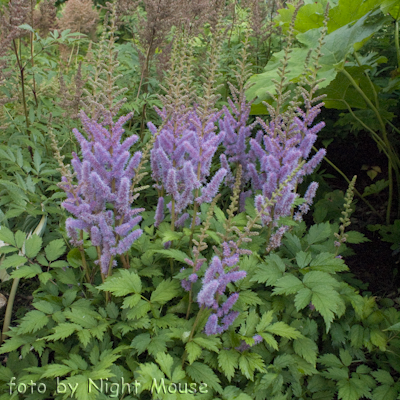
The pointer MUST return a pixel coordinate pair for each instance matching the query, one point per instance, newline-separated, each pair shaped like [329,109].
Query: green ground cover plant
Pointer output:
[167,224]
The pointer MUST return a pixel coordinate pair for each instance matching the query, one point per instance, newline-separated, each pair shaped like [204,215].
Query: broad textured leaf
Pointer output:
[337,45]
[55,249]
[128,282]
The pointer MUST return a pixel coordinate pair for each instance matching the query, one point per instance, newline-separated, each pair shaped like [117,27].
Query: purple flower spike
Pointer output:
[215,282]
[104,176]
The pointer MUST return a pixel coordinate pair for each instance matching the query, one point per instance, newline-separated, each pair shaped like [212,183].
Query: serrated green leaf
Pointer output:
[265,321]
[55,370]
[303,259]
[385,392]
[165,361]
[165,291]
[44,306]
[7,236]
[174,254]
[20,238]
[383,377]
[140,342]
[356,237]
[302,298]
[202,373]
[112,310]
[357,336]
[270,340]
[378,338]
[352,389]
[13,261]
[126,283]
[84,337]
[228,360]
[288,284]
[326,301]
[306,348]
[318,233]
[219,214]
[330,360]
[280,328]
[345,357]
[63,330]
[33,246]
[209,343]
[32,322]
[249,362]
[314,279]
[327,262]
[55,249]
[193,350]
[139,311]
[27,271]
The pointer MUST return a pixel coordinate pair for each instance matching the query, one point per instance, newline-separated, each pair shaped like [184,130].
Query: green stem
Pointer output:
[21,72]
[396,41]
[10,303]
[348,181]
[192,333]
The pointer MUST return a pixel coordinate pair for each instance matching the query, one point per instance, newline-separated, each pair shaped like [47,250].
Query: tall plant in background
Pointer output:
[182,155]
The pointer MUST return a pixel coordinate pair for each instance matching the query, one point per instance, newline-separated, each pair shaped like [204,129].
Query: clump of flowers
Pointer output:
[101,201]
[181,161]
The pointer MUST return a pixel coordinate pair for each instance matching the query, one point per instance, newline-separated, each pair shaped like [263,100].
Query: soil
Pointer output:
[374,263]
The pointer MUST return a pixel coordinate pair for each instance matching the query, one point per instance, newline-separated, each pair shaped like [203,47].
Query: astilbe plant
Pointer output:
[183,151]
[101,201]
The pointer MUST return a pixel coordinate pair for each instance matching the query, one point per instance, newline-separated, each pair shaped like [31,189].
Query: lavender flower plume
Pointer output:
[216,278]
[104,177]
[181,159]
[275,154]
